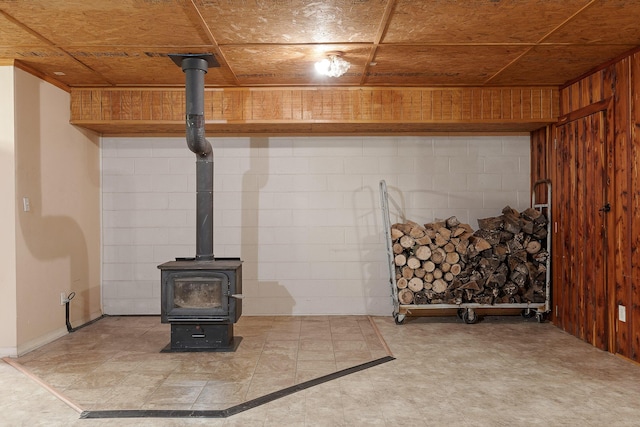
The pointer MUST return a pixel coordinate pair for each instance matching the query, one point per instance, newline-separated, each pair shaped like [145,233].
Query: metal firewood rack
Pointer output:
[467,311]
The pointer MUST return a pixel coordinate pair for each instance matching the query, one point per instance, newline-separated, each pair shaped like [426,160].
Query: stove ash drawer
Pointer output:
[200,336]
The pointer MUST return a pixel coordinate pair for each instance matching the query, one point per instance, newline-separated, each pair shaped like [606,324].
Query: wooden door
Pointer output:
[582,209]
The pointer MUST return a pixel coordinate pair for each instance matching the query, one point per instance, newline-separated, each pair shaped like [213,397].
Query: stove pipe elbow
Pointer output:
[194,69]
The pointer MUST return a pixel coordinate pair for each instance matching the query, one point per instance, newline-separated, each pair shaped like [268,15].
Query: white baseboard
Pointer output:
[51,336]
[8,352]
[42,340]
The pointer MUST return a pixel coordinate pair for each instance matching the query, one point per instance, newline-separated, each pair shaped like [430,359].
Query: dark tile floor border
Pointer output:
[224,413]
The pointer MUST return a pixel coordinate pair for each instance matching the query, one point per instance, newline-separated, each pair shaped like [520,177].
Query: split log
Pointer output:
[405,296]
[417,232]
[438,255]
[493,223]
[424,241]
[459,231]
[533,247]
[445,232]
[428,284]
[423,253]
[449,247]
[400,260]
[440,240]
[452,222]
[479,243]
[439,286]
[397,248]
[429,266]
[414,263]
[420,298]
[407,241]
[416,284]
[396,234]
[452,258]
[456,269]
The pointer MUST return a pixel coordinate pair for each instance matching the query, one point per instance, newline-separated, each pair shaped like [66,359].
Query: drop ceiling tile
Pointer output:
[605,22]
[12,34]
[54,64]
[505,21]
[439,65]
[292,65]
[121,22]
[555,65]
[130,66]
[293,21]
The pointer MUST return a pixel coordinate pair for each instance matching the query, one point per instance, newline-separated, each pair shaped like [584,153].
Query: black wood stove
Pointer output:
[202,300]
[201,297]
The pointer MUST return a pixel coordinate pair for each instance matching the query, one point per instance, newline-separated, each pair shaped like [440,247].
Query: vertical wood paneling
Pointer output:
[622,188]
[296,105]
[214,104]
[388,105]
[116,96]
[427,105]
[536,104]
[620,82]
[633,308]
[95,98]
[146,112]
[583,136]
[156,105]
[588,232]
[446,105]
[136,105]
[581,276]
[125,105]
[436,105]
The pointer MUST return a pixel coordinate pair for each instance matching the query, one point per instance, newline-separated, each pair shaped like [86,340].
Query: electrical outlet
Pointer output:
[63,298]
[26,205]
[622,313]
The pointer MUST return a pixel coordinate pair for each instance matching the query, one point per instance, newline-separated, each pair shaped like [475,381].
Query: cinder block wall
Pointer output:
[303,213]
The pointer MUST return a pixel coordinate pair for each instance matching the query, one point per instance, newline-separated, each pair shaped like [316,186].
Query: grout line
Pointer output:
[380,337]
[51,390]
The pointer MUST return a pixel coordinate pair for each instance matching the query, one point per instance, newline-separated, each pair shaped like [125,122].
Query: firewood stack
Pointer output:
[446,262]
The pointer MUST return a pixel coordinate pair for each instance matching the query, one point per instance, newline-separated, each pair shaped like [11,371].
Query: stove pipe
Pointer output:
[195,66]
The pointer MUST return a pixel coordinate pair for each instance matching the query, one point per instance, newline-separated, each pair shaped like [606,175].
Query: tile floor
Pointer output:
[116,362]
[503,371]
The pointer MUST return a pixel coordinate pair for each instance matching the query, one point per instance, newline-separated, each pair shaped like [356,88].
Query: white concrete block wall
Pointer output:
[303,213]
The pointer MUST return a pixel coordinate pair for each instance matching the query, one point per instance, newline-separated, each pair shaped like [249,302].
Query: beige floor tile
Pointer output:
[216,393]
[514,372]
[167,395]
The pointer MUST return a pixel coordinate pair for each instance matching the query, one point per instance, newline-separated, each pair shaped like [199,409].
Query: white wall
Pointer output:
[8,314]
[303,213]
[58,239]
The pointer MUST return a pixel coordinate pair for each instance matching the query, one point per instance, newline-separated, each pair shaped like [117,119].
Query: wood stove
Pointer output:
[201,297]
[201,300]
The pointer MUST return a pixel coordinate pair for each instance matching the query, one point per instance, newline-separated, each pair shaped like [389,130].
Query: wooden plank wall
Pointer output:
[619,82]
[124,108]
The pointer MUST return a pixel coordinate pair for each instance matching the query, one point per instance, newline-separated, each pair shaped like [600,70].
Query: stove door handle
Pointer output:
[237,296]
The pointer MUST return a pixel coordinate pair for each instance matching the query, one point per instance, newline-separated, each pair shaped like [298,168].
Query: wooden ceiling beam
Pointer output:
[318,110]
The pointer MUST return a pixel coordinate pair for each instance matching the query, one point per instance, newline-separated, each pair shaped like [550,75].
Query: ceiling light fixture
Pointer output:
[333,65]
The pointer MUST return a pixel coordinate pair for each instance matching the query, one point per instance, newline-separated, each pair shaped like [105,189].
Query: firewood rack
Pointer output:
[467,311]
